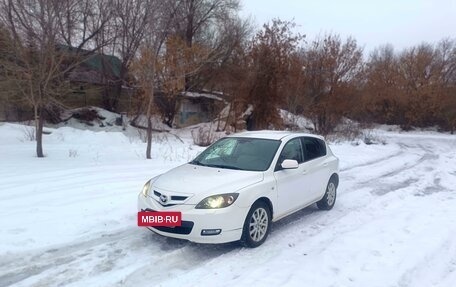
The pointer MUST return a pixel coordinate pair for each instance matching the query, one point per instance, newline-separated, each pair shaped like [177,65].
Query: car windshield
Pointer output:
[239,153]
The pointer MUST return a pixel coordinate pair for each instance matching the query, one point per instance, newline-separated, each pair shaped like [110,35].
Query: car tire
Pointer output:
[329,199]
[257,225]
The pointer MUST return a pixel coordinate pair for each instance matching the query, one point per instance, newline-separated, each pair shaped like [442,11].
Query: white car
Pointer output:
[242,183]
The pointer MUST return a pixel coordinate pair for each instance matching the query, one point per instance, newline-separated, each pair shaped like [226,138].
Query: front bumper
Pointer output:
[230,220]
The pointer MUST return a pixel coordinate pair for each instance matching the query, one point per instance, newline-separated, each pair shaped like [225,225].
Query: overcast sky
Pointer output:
[403,23]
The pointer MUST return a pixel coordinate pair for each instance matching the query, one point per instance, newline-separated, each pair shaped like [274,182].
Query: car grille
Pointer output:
[174,199]
[185,228]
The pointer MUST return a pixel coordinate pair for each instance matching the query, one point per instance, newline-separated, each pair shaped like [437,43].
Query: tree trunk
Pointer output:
[39,132]
[228,117]
[149,137]
[149,123]
[115,91]
[189,36]
[235,115]
[112,92]
[190,18]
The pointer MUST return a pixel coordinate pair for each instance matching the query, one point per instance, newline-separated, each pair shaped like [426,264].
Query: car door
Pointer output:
[293,185]
[317,165]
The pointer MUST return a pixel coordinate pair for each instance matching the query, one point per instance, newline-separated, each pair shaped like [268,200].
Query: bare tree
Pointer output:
[150,67]
[80,22]
[195,17]
[269,60]
[414,87]
[222,41]
[228,72]
[446,61]
[234,81]
[173,65]
[420,74]
[383,98]
[128,26]
[8,96]
[207,23]
[40,64]
[332,69]
[295,84]
[144,66]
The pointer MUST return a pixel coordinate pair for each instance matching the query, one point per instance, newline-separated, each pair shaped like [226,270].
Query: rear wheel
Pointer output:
[256,225]
[329,199]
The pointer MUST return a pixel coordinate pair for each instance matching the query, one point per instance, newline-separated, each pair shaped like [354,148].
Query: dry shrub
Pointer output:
[348,131]
[354,132]
[53,114]
[87,115]
[370,137]
[29,133]
[203,136]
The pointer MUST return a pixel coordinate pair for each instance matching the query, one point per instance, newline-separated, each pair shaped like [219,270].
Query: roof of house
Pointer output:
[99,62]
[218,96]
[95,67]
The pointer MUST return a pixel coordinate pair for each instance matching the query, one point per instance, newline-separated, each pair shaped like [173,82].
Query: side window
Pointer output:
[322,147]
[313,148]
[292,150]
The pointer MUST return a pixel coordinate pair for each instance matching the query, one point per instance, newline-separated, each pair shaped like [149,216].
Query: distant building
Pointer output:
[94,82]
[194,108]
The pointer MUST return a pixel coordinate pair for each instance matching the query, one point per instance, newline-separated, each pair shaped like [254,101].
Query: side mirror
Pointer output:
[289,164]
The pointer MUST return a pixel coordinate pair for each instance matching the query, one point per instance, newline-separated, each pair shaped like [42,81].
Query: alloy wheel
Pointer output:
[331,196]
[258,225]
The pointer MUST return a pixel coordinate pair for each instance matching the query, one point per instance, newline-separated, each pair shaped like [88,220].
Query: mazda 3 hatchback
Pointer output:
[242,183]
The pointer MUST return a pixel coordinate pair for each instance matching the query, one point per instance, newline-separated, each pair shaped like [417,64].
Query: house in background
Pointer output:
[95,82]
[193,107]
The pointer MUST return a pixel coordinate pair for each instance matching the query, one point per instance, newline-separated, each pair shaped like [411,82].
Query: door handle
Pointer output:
[325,164]
[304,172]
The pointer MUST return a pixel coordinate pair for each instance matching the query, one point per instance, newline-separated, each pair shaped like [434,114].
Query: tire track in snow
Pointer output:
[39,268]
[384,166]
[442,254]
[376,161]
[18,266]
[390,167]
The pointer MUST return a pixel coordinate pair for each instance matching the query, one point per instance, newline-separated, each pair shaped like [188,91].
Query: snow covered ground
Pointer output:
[70,219]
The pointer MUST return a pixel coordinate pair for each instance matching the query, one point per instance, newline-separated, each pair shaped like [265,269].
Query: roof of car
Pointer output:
[274,135]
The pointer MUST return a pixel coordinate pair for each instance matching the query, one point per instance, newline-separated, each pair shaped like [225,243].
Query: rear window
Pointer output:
[313,148]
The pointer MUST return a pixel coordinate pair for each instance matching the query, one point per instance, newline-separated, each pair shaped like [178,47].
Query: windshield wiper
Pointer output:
[225,166]
[195,162]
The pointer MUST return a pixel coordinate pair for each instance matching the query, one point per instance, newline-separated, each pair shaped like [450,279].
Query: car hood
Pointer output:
[200,181]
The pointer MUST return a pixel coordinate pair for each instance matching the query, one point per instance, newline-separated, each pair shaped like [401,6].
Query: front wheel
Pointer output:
[328,200]
[256,225]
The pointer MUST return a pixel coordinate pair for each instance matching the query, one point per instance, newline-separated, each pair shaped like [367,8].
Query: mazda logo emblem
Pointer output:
[163,198]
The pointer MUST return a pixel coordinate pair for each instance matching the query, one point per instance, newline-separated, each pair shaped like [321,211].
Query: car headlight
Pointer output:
[217,201]
[146,188]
